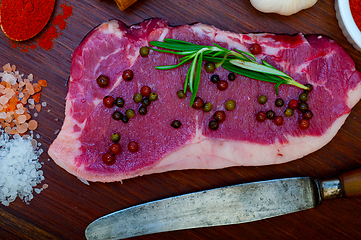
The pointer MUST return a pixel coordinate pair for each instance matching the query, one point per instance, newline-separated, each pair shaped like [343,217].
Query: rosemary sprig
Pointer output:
[239,62]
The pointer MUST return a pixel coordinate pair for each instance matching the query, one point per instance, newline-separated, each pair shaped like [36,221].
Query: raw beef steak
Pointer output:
[112,48]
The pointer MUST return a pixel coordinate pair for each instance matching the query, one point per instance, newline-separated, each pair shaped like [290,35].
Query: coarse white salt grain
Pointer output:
[8,77]
[19,111]
[4,100]
[22,118]
[31,101]
[19,168]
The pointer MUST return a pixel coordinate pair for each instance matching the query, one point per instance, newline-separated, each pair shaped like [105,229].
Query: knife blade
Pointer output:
[224,206]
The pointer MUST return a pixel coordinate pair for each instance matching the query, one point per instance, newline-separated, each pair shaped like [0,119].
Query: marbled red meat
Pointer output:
[112,48]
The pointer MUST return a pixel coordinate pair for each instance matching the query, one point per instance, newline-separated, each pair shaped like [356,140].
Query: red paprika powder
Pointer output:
[24,19]
[355,6]
[51,31]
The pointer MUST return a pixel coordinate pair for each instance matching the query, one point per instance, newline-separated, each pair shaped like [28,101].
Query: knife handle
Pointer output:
[351,182]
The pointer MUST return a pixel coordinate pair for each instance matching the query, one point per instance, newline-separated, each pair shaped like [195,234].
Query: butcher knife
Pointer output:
[224,206]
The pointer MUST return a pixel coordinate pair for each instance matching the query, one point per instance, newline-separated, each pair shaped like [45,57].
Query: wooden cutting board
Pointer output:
[67,206]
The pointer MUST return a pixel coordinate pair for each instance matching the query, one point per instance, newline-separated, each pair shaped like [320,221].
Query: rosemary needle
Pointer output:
[239,62]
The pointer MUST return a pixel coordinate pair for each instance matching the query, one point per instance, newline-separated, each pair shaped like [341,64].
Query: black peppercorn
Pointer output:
[117,115]
[176,124]
[119,102]
[142,110]
[231,77]
[124,119]
[302,106]
[215,78]
[145,102]
[279,102]
[213,125]
[270,114]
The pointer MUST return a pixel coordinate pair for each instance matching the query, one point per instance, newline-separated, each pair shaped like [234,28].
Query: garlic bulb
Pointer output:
[283,7]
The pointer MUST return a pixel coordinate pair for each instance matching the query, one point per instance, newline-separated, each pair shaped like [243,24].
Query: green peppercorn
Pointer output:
[207,107]
[117,115]
[262,99]
[230,105]
[130,113]
[213,125]
[144,51]
[142,110]
[279,102]
[231,76]
[181,94]
[115,137]
[145,102]
[137,98]
[289,112]
[176,124]
[153,96]
[209,67]
[119,102]
[303,97]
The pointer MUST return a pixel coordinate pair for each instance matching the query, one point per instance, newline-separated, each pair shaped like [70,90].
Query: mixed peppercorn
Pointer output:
[218,116]
[294,104]
[146,96]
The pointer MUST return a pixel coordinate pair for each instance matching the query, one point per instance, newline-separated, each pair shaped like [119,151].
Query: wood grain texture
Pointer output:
[67,206]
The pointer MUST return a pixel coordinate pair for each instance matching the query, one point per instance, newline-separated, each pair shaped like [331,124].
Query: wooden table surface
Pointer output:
[67,206]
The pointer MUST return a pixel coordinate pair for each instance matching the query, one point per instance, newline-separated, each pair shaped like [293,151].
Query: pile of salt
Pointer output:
[19,168]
